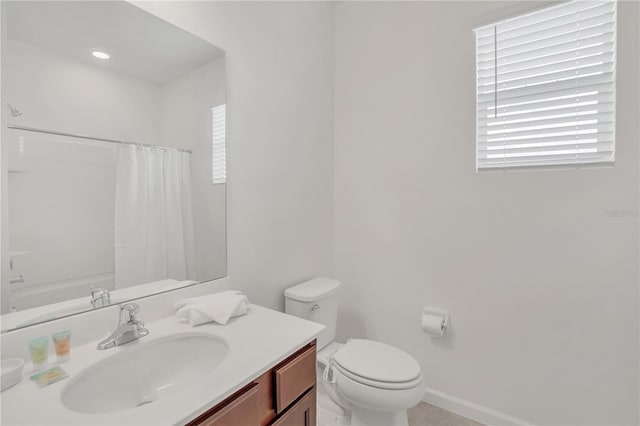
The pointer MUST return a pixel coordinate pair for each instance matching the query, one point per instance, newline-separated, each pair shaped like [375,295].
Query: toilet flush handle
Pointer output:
[315,307]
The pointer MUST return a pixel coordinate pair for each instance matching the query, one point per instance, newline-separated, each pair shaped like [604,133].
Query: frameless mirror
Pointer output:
[113,158]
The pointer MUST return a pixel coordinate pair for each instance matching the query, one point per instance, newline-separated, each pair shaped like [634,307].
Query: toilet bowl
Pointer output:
[361,382]
[377,381]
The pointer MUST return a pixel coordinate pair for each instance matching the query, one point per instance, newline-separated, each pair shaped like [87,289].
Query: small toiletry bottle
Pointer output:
[39,348]
[62,343]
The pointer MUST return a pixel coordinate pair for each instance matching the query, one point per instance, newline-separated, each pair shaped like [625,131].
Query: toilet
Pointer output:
[361,382]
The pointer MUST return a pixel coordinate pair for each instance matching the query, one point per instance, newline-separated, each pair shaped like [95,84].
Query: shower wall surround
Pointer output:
[83,213]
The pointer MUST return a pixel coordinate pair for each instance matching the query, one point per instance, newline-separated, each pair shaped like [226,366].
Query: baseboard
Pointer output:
[470,410]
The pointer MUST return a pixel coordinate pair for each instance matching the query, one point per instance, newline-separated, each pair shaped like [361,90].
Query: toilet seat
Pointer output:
[378,384]
[377,364]
[378,399]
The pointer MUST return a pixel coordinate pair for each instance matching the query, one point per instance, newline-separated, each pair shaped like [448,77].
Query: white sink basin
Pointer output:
[143,373]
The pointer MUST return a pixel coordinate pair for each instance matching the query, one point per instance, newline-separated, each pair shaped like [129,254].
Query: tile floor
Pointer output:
[425,414]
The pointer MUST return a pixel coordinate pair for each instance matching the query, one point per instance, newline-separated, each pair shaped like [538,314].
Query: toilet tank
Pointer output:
[317,301]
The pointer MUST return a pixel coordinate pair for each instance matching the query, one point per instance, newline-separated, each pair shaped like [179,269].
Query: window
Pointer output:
[545,87]
[219,156]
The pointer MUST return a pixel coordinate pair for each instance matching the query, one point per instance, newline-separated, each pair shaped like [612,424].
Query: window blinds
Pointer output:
[545,87]
[219,149]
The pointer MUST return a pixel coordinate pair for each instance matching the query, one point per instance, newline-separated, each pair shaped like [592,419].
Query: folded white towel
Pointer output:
[218,307]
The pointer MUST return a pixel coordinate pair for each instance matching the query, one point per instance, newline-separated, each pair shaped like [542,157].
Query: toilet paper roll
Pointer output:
[433,324]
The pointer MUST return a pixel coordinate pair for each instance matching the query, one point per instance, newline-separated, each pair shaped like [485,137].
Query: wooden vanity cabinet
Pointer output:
[283,396]
[302,413]
[241,410]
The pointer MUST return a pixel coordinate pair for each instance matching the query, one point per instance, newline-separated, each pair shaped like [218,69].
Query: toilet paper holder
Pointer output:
[438,312]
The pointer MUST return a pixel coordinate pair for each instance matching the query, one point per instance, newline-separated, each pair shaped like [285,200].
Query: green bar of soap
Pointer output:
[47,377]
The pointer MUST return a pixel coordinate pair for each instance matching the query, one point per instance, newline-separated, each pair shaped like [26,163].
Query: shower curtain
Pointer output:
[154,230]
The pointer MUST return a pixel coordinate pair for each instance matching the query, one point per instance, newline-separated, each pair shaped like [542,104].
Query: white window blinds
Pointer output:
[545,87]
[219,149]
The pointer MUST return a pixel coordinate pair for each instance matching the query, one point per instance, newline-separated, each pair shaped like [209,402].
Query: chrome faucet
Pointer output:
[129,328]
[100,297]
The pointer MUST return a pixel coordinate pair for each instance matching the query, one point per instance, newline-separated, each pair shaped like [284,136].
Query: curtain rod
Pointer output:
[71,135]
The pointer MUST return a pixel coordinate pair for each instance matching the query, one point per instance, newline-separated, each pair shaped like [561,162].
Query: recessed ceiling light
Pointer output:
[100,55]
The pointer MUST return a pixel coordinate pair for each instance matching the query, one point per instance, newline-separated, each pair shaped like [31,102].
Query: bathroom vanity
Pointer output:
[284,395]
[259,369]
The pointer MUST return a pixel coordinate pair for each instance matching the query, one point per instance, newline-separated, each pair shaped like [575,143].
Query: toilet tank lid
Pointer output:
[313,290]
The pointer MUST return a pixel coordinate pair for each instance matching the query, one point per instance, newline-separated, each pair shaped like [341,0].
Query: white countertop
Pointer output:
[257,342]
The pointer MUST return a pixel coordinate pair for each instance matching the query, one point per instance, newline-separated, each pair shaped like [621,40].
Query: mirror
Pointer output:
[113,158]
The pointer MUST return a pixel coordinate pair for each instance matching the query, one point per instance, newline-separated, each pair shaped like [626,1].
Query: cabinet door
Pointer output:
[294,377]
[302,413]
[243,410]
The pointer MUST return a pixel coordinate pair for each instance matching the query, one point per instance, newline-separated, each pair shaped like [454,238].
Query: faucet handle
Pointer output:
[98,291]
[129,311]
[100,297]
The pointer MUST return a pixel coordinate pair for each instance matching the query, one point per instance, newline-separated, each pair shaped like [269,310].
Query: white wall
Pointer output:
[4,211]
[186,122]
[57,93]
[279,141]
[541,284]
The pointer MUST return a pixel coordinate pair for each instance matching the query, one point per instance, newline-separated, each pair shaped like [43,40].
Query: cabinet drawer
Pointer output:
[302,413]
[294,377]
[241,409]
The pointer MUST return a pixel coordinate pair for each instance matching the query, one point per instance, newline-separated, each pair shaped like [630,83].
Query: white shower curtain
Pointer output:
[154,231]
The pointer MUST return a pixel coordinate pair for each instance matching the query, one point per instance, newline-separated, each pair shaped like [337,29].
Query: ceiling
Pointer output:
[140,44]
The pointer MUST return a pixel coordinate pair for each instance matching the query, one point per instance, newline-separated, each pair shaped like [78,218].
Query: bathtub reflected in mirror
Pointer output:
[113,158]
